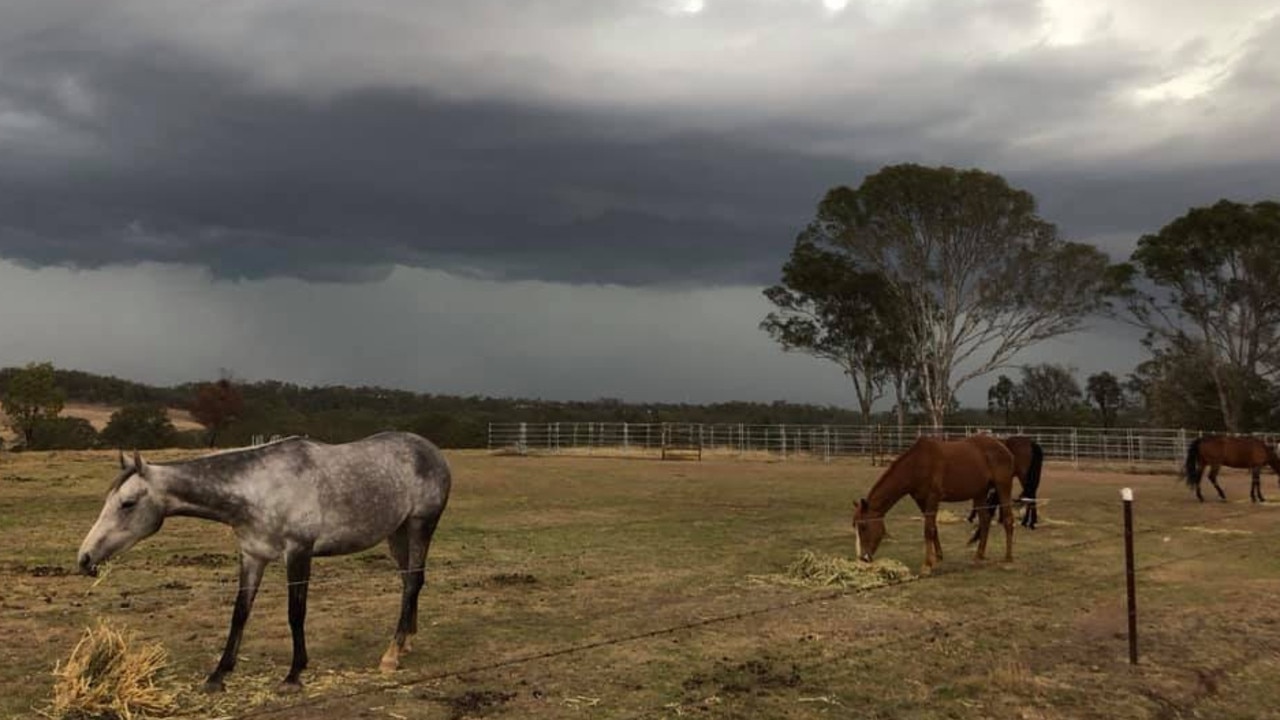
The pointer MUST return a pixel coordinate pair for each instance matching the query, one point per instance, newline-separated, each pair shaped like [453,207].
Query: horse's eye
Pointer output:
[128,504]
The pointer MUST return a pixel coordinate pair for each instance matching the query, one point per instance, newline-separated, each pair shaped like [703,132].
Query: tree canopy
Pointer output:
[31,396]
[1205,287]
[1106,395]
[140,426]
[216,406]
[978,274]
[830,308]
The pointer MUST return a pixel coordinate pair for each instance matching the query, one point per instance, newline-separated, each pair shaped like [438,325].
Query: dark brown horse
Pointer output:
[1028,460]
[933,472]
[1214,451]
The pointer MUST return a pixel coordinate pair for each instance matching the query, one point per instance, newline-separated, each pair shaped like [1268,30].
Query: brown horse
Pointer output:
[933,472]
[1028,460]
[1214,451]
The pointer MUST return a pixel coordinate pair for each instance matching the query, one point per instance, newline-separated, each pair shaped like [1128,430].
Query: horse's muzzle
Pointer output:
[87,566]
[866,557]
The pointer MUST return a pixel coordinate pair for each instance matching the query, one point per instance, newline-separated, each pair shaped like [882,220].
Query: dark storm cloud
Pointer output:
[186,165]
[129,138]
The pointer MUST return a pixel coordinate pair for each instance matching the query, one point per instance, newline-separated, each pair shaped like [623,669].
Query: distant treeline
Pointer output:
[340,413]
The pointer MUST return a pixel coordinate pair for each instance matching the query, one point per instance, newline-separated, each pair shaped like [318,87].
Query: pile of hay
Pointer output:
[945,517]
[813,570]
[109,676]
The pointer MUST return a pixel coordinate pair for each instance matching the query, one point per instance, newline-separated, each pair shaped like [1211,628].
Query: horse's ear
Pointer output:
[124,464]
[863,506]
[139,464]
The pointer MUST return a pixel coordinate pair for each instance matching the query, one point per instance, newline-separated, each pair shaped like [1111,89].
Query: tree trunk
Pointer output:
[900,395]
[1230,409]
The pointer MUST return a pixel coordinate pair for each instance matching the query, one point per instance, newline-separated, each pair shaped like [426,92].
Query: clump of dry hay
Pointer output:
[813,570]
[946,517]
[109,676]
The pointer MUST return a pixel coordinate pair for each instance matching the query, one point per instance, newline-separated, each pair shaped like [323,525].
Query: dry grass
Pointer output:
[811,569]
[643,567]
[110,676]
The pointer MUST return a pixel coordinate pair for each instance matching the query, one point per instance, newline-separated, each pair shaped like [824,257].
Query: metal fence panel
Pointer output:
[1079,445]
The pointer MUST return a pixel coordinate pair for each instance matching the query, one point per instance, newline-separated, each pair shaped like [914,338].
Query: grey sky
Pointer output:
[562,199]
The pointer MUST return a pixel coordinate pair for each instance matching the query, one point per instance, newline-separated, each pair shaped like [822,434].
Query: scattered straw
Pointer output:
[109,676]
[103,571]
[813,570]
[944,517]
[1217,531]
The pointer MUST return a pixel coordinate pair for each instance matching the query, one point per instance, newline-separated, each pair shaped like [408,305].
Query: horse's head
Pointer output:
[133,510]
[869,526]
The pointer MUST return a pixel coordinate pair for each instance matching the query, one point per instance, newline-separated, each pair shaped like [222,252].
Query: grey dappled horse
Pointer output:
[295,499]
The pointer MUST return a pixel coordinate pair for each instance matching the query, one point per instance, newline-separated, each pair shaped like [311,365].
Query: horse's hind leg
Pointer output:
[1255,488]
[299,573]
[1213,478]
[409,545]
[984,528]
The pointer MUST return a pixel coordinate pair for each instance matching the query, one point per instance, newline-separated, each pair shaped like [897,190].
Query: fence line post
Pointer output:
[1126,495]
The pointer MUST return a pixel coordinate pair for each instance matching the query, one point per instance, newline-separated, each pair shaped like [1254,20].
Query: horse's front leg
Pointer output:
[250,576]
[932,547]
[1006,506]
[299,573]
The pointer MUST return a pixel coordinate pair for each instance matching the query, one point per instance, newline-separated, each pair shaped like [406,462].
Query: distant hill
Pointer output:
[337,413]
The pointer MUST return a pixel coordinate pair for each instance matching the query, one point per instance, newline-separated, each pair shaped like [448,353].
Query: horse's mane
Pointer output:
[232,459]
[893,465]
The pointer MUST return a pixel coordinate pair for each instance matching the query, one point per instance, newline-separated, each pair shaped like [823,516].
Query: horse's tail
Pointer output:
[1193,462]
[1031,485]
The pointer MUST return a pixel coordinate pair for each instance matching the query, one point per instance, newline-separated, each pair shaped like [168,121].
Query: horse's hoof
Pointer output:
[289,687]
[387,667]
[214,686]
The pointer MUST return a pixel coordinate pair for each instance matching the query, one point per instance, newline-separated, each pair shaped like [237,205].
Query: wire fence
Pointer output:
[1081,446]
[984,617]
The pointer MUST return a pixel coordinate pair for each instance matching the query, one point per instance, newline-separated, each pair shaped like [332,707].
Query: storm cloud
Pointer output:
[602,142]
[664,146]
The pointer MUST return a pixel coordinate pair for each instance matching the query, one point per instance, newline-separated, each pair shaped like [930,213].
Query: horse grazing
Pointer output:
[1215,451]
[1028,460]
[936,471]
[296,499]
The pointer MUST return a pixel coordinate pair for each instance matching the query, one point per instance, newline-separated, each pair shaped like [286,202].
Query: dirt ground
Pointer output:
[629,588]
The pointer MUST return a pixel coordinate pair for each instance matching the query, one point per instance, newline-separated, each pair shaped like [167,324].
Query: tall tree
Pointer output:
[1000,397]
[140,426]
[216,406]
[979,275]
[1047,393]
[1106,395]
[1206,286]
[31,396]
[831,309]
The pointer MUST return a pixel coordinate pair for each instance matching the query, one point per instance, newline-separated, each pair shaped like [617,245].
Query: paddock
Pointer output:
[629,588]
